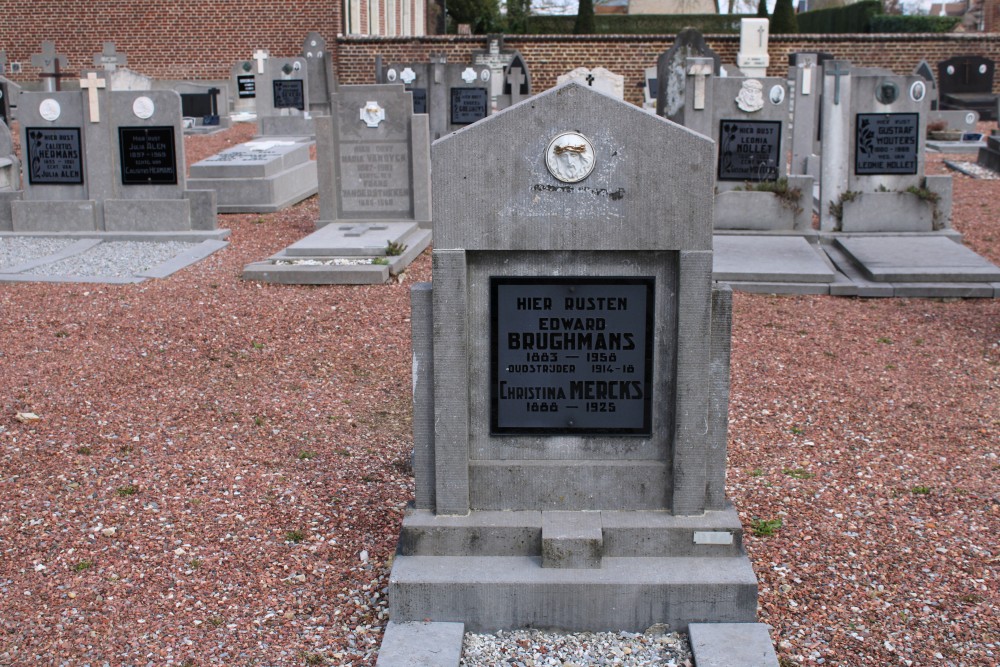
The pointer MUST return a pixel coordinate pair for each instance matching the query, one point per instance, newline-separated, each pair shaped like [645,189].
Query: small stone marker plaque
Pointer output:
[571,355]
[468,105]
[289,94]
[376,177]
[749,150]
[419,99]
[886,143]
[54,156]
[246,86]
[148,156]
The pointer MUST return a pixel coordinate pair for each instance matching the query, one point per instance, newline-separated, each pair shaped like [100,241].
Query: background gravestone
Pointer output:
[373,157]
[804,90]
[873,155]
[966,82]
[671,71]
[319,67]
[243,79]
[599,79]
[204,106]
[452,94]
[283,99]
[565,477]
[100,160]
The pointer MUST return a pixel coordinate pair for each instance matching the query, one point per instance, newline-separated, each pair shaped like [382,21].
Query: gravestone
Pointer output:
[453,95]
[374,193]
[283,99]
[966,82]
[649,89]
[804,74]
[243,80]
[872,176]
[52,66]
[106,161]
[205,107]
[671,72]
[497,59]
[598,78]
[10,173]
[516,83]
[9,93]
[752,58]
[319,68]
[571,382]
[748,119]
[109,59]
[926,72]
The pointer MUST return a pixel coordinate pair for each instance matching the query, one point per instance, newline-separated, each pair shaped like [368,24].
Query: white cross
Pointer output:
[91,84]
[260,55]
[699,70]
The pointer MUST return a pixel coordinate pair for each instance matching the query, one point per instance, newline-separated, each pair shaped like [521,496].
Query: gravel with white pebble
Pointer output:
[19,249]
[114,259]
[533,648]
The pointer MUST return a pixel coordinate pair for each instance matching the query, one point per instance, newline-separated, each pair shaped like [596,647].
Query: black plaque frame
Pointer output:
[125,134]
[419,99]
[915,123]
[29,131]
[456,93]
[645,429]
[725,175]
[281,87]
[246,86]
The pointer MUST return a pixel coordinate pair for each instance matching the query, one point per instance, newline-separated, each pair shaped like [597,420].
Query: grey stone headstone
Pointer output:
[319,64]
[671,72]
[243,80]
[452,94]
[966,82]
[926,72]
[283,99]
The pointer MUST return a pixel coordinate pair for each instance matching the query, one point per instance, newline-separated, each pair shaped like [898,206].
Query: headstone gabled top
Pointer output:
[671,71]
[925,71]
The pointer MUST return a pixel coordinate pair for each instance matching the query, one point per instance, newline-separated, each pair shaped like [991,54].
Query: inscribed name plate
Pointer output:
[53,156]
[419,99]
[749,150]
[289,94]
[571,355]
[375,178]
[246,86]
[886,143]
[468,105]
[148,156]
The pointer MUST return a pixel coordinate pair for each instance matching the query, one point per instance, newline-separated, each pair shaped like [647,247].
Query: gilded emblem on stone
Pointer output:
[570,157]
[751,96]
[372,114]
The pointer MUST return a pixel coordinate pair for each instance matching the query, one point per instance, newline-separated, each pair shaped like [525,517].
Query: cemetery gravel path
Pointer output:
[219,469]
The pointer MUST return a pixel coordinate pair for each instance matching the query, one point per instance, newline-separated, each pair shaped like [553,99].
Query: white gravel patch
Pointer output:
[18,250]
[532,648]
[114,259]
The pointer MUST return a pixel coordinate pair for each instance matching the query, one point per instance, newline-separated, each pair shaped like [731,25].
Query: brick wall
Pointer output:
[168,40]
[549,56]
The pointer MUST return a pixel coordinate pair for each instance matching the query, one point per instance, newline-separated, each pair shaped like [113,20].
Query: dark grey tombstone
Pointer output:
[671,72]
[966,82]
[10,173]
[925,71]
[319,64]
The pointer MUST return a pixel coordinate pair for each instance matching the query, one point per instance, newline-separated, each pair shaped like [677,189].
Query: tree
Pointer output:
[482,15]
[584,24]
[762,9]
[783,21]
[518,12]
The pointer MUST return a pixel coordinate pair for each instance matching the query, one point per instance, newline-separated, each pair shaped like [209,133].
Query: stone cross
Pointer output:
[213,93]
[91,84]
[760,36]
[260,55]
[700,69]
[49,62]
[515,79]
[109,58]
[836,72]
[361,229]
[807,80]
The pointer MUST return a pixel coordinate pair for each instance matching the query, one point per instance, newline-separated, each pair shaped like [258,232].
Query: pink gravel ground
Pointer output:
[220,467]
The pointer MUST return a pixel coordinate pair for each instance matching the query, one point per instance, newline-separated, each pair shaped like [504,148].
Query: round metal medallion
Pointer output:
[49,109]
[570,157]
[143,107]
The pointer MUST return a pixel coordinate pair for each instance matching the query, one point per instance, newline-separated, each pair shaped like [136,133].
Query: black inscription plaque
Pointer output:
[195,105]
[54,156]
[147,155]
[571,355]
[246,86]
[749,150]
[289,94]
[886,143]
[3,104]
[419,100]
[468,105]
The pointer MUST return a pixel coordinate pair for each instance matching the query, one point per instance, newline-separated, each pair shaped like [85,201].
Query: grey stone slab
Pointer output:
[853,283]
[955,147]
[147,215]
[421,644]
[944,290]
[80,246]
[111,280]
[422,343]
[259,158]
[52,216]
[917,260]
[484,533]
[732,645]
[572,539]
[628,594]
[263,195]
[774,259]
[184,259]
[766,287]
[316,274]
[346,239]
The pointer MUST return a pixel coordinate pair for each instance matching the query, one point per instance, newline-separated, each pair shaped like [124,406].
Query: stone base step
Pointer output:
[632,594]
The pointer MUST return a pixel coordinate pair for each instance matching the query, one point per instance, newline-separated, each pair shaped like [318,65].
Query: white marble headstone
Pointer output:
[599,79]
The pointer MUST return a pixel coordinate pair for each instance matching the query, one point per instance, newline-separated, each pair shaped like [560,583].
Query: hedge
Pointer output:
[840,20]
[639,24]
[891,23]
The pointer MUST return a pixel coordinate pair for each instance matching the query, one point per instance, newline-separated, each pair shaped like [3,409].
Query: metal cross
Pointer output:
[109,58]
[260,55]
[49,62]
[836,72]
[590,79]
[91,84]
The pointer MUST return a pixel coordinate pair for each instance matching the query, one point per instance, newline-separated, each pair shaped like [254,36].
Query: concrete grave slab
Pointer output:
[421,644]
[770,259]
[732,645]
[914,259]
